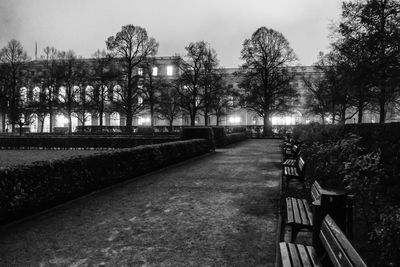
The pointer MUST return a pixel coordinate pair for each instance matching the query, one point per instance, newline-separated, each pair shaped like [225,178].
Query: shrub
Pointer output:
[235,137]
[199,132]
[145,130]
[219,136]
[30,188]
[80,142]
[365,160]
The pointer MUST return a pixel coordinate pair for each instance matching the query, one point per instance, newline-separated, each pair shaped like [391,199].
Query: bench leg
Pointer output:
[295,231]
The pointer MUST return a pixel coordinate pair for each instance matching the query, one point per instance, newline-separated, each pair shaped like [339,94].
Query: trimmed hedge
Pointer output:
[235,137]
[223,139]
[199,132]
[30,188]
[80,142]
[219,135]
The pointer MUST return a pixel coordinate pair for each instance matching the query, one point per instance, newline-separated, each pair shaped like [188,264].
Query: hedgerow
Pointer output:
[30,188]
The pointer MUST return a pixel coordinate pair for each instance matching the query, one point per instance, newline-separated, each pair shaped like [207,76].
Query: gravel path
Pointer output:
[216,210]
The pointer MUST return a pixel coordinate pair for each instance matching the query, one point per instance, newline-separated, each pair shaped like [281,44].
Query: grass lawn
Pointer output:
[16,157]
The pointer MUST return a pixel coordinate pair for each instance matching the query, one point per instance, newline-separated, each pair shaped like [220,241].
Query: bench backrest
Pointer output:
[338,247]
[315,191]
[300,164]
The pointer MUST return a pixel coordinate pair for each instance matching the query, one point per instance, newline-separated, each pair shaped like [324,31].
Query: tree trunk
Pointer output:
[205,117]
[129,119]
[192,118]
[51,120]
[267,127]
[360,114]
[69,122]
[323,118]
[152,114]
[218,118]
[171,127]
[3,122]
[382,110]
[42,123]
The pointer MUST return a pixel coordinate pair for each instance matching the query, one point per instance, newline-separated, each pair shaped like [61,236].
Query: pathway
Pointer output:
[216,210]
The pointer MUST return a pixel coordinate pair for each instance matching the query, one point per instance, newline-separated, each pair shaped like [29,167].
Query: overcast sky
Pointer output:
[84,25]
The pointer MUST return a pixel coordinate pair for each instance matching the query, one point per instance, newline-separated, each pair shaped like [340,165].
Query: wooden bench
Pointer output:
[336,246]
[295,172]
[291,152]
[298,211]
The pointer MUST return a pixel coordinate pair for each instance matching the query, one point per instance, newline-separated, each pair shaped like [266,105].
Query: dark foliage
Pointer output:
[80,142]
[30,188]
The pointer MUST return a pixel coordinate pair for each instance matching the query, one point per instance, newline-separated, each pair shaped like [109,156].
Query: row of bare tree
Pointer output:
[110,81]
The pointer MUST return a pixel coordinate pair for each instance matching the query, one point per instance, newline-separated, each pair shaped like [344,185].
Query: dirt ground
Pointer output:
[220,209]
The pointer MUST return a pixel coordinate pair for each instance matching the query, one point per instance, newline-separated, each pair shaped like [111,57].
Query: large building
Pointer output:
[167,68]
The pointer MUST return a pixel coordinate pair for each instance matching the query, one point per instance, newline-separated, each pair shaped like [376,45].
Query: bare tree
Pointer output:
[131,46]
[73,72]
[168,106]
[266,80]
[196,78]
[13,57]
[103,78]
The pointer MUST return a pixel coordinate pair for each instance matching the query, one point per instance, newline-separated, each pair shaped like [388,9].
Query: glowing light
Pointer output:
[234,119]
[143,120]
[274,120]
[155,71]
[170,70]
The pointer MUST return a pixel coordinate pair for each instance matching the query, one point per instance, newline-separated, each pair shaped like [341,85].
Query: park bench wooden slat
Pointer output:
[337,255]
[313,256]
[299,213]
[297,218]
[304,216]
[338,246]
[304,256]
[308,211]
[289,210]
[339,249]
[294,254]
[285,255]
[296,171]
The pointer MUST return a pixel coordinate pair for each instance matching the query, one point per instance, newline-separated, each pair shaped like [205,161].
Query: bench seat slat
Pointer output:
[294,254]
[297,217]
[308,211]
[303,213]
[289,210]
[313,256]
[304,256]
[285,255]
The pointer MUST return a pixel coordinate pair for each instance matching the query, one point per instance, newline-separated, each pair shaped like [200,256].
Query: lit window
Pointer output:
[140,71]
[170,70]
[155,71]
[36,94]
[234,120]
[115,119]
[143,120]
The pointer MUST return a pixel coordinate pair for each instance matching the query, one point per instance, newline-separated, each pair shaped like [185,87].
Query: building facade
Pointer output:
[166,68]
